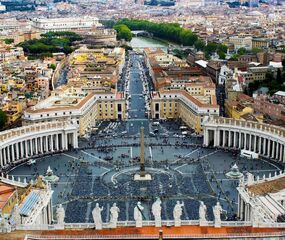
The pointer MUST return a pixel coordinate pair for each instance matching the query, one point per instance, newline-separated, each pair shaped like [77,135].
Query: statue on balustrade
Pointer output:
[156,211]
[202,213]
[60,214]
[114,215]
[177,213]
[5,227]
[217,211]
[138,214]
[96,213]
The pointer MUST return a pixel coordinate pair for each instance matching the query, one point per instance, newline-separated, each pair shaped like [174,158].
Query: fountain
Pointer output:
[50,177]
[234,173]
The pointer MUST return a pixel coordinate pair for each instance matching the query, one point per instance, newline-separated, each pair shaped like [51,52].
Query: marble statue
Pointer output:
[217,210]
[4,224]
[60,215]
[202,213]
[138,215]
[156,211]
[255,215]
[114,214]
[96,213]
[177,213]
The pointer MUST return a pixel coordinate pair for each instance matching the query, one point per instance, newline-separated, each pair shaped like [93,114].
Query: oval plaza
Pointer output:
[94,170]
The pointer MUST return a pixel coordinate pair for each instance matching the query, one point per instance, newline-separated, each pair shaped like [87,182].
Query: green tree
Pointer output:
[241,51]
[222,48]
[3,118]
[222,55]
[123,32]
[211,47]
[52,66]
[8,40]
[256,50]
[279,77]
[199,45]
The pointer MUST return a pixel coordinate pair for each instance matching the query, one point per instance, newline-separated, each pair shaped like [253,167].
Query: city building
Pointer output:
[65,24]
[78,107]
[174,104]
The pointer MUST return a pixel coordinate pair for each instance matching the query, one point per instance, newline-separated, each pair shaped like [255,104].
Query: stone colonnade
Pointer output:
[263,139]
[25,142]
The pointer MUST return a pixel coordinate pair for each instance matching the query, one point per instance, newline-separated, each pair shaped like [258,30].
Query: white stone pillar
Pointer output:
[215,137]
[13,153]
[250,142]
[277,151]
[56,142]
[4,156]
[230,140]
[245,141]
[75,140]
[46,144]
[264,146]
[281,153]
[273,150]
[22,149]
[65,141]
[26,148]
[268,148]
[8,155]
[41,145]
[17,151]
[51,142]
[36,146]
[1,158]
[235,139]
[259,144]
[224,138]
[254,143]
[218,137]
[205,136]
[239,139]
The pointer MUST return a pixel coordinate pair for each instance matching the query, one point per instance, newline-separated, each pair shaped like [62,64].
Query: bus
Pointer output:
[248,154]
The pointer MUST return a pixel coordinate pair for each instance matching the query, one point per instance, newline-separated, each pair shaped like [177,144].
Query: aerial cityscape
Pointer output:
[142,119]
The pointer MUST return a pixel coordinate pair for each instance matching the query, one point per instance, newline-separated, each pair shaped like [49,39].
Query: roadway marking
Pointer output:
[150,152]
[131,152]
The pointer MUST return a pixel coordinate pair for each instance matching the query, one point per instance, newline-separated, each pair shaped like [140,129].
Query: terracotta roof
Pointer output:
[5,193]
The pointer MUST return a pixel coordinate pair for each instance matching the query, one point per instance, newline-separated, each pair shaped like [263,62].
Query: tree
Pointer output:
[222,55]
[3,118]
[52,66]
[279,77]
[222,48]
[199,45]
[8,40]
[256,50]
[283,64]
[211,47]
[123,32]
[241,51]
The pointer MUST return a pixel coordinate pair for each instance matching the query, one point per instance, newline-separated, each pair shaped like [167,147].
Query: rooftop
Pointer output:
[272,186]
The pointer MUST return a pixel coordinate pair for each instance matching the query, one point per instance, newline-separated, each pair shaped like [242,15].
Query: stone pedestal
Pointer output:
[139,177]
[158,223]
[203,223]
[217,224]
[177,222]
